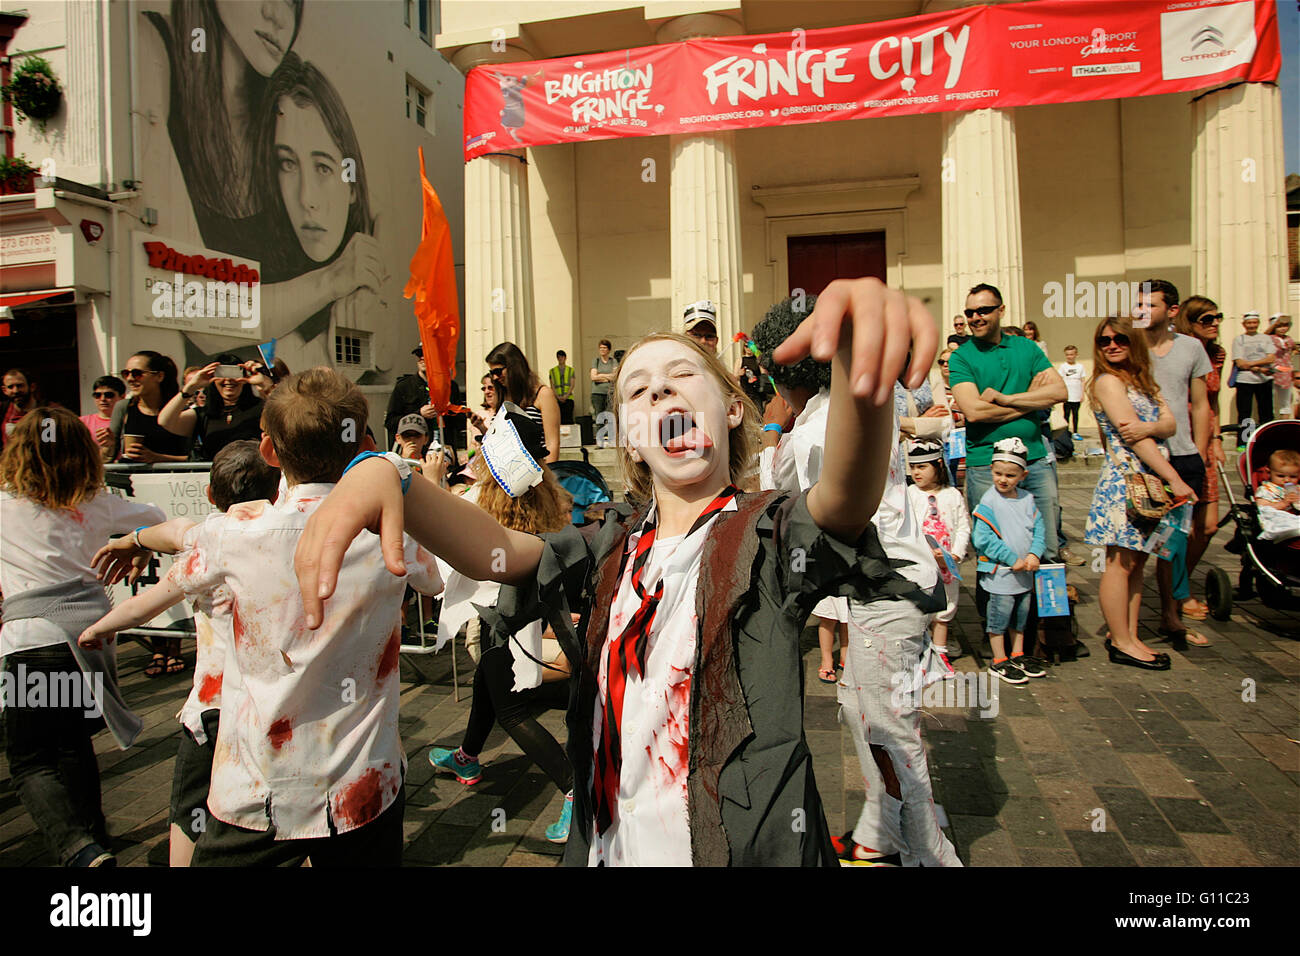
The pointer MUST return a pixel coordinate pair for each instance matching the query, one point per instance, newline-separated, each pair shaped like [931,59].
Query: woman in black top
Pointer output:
[151,381]
[515,382]
[232,410]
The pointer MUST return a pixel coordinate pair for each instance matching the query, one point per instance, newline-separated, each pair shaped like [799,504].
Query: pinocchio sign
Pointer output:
[191,289]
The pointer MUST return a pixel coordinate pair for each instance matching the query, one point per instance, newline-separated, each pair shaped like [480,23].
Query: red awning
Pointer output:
[22,298]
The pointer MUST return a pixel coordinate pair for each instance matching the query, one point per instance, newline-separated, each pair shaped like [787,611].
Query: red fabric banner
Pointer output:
[1022,54]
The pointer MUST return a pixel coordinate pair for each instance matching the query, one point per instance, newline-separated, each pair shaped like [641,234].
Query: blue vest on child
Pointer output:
[1013,520]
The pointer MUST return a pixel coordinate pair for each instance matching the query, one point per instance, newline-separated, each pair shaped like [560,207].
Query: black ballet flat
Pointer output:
[1161,662]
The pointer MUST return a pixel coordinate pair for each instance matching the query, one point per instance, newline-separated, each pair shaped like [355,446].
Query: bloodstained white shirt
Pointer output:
[309,722]
[651,826]
[213,632]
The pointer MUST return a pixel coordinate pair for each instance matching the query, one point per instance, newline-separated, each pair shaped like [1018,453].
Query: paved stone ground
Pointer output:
[1186,772]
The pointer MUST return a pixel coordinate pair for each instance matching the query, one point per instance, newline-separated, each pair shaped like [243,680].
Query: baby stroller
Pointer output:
[582,480]
[1270,569]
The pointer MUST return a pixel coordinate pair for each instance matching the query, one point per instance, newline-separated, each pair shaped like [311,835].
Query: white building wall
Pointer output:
[365,51]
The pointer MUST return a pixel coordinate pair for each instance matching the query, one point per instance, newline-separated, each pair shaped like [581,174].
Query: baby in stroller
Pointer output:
[1277,483]
[1280,489]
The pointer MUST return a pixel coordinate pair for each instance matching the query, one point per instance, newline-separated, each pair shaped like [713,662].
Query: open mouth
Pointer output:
[679,435]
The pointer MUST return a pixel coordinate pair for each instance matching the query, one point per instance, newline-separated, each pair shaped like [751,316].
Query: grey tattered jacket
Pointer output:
[751,796]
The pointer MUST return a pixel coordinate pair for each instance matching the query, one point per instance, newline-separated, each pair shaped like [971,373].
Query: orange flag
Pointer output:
[433,286]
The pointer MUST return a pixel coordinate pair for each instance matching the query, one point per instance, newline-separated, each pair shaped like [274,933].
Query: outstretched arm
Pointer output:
[865,330]
[122,558]
[143,607]
[370,497]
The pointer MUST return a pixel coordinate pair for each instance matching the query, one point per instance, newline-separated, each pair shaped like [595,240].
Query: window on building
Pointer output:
[352,349]
[421,15]
[419,105]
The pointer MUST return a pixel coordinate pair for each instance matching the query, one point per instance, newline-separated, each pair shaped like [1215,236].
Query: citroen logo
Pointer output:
[1208,34]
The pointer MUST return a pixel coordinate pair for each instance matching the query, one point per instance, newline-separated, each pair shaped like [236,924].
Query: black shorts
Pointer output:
[193,776]
[1190,468]
[377,844]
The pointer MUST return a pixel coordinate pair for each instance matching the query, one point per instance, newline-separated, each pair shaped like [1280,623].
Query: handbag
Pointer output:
[1232,376]
[1146,498]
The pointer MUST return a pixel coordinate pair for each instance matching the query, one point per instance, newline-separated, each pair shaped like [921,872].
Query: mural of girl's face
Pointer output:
[262,30]
[315,196]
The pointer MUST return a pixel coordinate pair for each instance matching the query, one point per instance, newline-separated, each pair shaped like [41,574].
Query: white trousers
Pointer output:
[886,641]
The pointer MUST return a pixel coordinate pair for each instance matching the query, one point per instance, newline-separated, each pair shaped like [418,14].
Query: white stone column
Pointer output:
[1239,204]
[498,259]
[498,248]
[704,205]
[705,228]
[981,211]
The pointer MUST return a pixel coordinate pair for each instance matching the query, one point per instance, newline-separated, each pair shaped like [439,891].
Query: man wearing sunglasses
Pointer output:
[1003,383]
[960,336]
[1179,365]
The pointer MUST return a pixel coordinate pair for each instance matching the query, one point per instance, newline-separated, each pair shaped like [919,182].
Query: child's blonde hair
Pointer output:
[544,507]
[52,459]
[1283,457]
[742,440]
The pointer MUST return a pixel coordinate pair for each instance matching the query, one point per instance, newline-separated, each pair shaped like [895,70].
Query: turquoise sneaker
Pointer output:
[558,832]
[467,773]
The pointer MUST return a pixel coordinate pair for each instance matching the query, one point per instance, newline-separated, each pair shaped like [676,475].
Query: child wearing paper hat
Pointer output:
[1009,536]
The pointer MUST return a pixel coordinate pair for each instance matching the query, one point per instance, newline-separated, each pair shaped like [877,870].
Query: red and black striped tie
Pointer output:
[627,652]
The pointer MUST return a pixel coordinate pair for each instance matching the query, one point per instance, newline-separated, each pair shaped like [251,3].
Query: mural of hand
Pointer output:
[360,266]
[352,308]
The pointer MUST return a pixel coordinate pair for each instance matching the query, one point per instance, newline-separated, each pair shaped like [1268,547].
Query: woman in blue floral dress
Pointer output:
[1134,421]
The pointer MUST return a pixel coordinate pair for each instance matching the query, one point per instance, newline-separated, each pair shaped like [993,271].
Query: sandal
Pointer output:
[156,666]
[1181,637]
[823,671]
[175,665]
[1195,610]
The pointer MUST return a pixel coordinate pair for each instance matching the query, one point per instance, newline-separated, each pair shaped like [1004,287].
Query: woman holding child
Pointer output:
[1133,420]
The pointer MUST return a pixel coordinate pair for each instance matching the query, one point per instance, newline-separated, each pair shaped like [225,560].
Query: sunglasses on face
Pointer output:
[942,363]
[135,372]
[105,394]
[981,310]
[1119,338]
[1210,319]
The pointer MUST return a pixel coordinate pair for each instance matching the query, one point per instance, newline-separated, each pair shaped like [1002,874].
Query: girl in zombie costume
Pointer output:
[686,708]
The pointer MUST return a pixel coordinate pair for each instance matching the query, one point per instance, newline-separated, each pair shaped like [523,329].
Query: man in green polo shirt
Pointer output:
[1002,383]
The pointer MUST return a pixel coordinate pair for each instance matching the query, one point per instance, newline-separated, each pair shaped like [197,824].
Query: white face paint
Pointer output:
[676,416]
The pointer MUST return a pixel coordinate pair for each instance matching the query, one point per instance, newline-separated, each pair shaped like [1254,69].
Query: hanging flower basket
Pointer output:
[17,176]
[34,91]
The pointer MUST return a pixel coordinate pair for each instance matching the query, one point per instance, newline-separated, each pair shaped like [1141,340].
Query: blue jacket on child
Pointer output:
[1004,531]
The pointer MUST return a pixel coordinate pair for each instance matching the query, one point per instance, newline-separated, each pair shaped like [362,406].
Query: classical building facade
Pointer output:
[567,244]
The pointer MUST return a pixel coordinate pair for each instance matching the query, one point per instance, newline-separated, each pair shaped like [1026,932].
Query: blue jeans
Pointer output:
[1008,611]
[1039,482]
[52,759]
